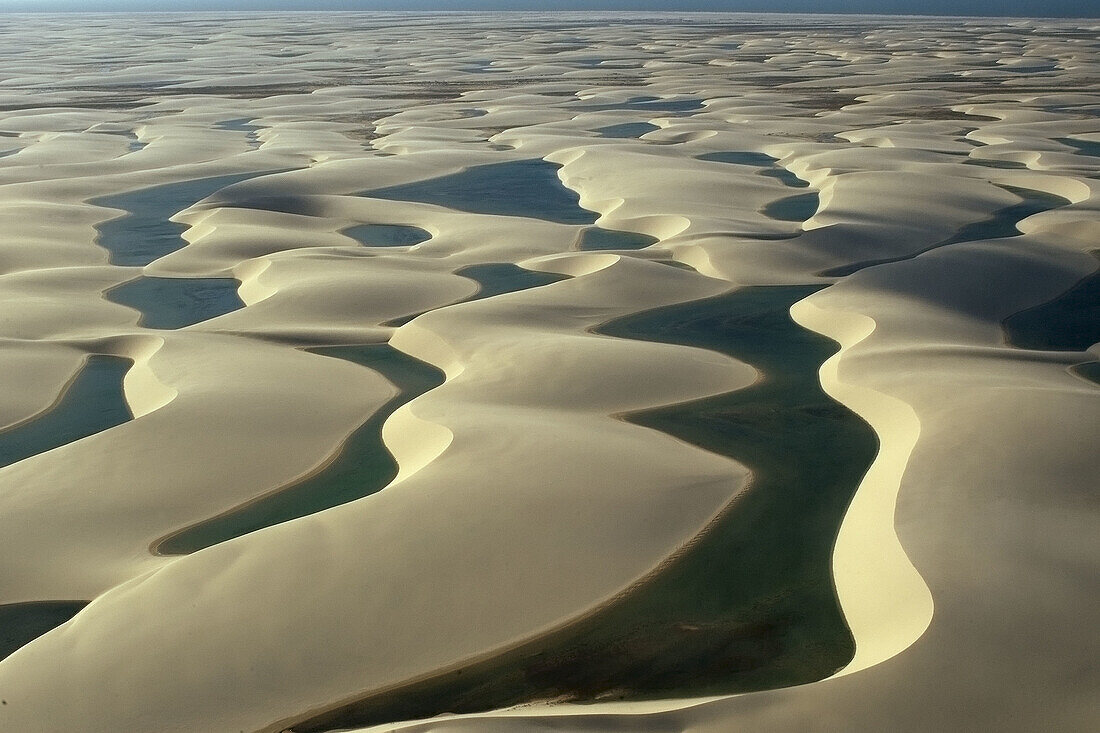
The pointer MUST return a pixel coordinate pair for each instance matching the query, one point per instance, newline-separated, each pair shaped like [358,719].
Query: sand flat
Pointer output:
[925,179]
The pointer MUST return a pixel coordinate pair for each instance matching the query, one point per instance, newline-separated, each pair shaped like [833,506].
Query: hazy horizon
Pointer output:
[981,8]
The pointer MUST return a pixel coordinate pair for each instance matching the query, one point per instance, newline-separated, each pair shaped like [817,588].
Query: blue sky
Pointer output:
[1054,8]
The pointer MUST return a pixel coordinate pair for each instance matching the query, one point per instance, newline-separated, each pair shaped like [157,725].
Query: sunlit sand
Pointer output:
[548,372]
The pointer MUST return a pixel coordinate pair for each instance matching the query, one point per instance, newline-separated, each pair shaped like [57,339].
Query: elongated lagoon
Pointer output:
[751,605]
[145,233]
[91,403]
[170,303]
[1002,224]
[22,623]
[363,464]
[529,188]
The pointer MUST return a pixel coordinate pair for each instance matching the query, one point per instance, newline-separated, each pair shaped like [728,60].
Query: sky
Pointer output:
[1024,8]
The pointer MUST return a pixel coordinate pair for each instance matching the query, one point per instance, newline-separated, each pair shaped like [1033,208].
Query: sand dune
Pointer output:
[323,192]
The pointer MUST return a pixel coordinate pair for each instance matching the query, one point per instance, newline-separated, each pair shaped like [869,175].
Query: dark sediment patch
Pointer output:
[386,235]
[1001,225]
[626,130]
[528,188]
[750,604]
[91,403]
[145,233]
[22,623]
[595,238]
[170,303]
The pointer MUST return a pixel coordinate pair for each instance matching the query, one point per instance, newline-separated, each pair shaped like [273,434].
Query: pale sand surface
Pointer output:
[965,566]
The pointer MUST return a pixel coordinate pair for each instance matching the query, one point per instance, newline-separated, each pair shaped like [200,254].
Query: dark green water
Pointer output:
[793,208]
[740,157]
[1070,322]
[1089,370]
[22,623]
[752,604]
[1083,147]
[169,302]
[386,235]
[626,130]
[529,188]
[787,178]
[760,160]
[145,234]
[497,278]
[93,402]
[595,238]
[362,466]
[651,104]
[988,163]
[1001,225]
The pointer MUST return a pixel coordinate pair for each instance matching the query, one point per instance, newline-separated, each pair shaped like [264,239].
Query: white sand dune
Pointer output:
[523,503]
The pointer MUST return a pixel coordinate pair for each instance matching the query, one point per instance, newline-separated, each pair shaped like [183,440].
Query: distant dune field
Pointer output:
[526,372]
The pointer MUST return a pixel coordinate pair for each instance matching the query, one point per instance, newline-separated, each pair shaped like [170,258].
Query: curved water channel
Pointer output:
[1001,225]
[91,403]
[363,465]
[598,239]
[751,604]
[626,130]
[22,623]
[176,302]
[144,234]
[797,208]
[529,188]
[94,400]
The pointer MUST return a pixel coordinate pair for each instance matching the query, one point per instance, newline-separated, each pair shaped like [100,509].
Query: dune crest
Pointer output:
[548,372]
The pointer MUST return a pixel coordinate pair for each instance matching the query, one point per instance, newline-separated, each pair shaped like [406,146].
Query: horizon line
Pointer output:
[517,11]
